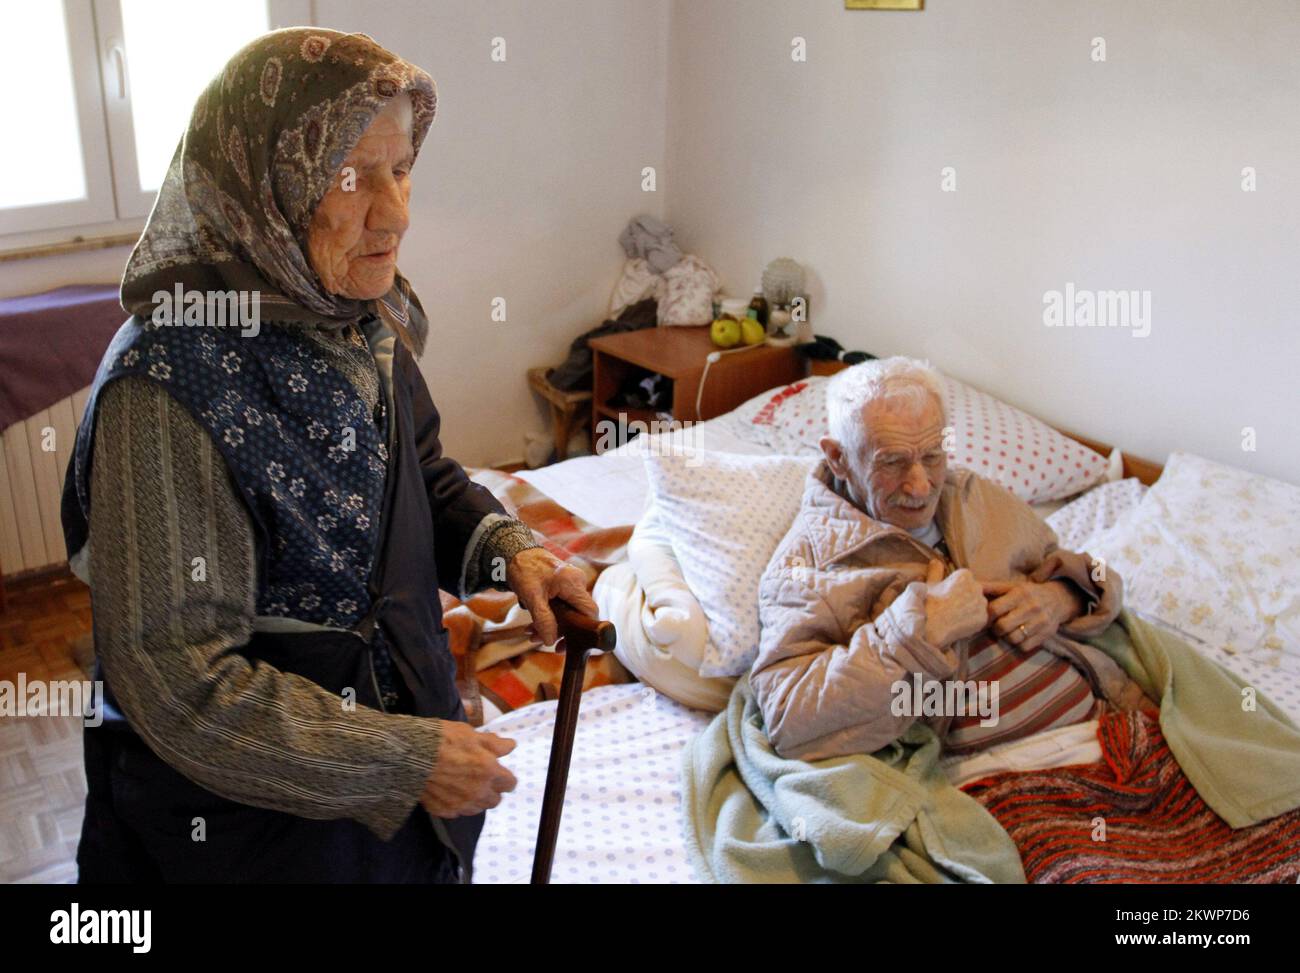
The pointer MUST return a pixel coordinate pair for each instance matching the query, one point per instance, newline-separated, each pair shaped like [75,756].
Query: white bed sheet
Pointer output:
[622,821]
[611,489]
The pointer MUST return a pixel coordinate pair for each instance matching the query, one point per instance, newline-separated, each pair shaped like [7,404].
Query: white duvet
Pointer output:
[663,634]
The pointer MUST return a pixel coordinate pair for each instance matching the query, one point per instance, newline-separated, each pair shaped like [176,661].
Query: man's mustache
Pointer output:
[912,503]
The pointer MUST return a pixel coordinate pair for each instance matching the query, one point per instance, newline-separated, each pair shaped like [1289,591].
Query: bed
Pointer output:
[622,816]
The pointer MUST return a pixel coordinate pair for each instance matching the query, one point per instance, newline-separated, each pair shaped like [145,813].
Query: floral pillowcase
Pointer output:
[1214,552]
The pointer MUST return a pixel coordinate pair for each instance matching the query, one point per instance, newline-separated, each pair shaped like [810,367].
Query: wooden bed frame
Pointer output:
[1145,470]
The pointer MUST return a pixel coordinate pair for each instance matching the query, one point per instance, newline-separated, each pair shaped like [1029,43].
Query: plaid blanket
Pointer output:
[1132,817]
[495,659]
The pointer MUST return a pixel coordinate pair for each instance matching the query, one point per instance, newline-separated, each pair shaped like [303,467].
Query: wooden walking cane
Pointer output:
[580,635]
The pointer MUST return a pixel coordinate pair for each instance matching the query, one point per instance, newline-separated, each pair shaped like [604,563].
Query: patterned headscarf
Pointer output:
[265,141]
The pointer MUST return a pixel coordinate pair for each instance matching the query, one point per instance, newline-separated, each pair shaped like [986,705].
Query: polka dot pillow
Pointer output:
[1010,447]
[724,514]
[996,440]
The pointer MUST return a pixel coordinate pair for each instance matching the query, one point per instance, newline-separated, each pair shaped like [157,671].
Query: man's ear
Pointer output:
[834,454]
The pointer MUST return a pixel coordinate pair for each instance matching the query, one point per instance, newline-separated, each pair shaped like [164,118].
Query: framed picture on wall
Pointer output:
[884,4]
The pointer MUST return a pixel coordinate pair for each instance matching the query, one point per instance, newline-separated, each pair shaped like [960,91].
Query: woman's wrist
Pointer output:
[505,540]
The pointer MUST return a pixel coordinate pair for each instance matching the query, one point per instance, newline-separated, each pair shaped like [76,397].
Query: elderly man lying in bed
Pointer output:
[906,590]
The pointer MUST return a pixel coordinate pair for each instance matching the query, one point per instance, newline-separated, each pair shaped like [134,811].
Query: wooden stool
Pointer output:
[569,410]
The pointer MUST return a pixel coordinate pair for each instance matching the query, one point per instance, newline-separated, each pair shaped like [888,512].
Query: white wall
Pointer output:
[1115,175]
[1120,175]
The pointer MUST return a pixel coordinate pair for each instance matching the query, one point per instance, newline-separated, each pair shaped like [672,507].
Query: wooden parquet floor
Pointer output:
[42,783]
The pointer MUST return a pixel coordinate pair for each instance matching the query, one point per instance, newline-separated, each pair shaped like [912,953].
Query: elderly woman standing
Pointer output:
[268,515]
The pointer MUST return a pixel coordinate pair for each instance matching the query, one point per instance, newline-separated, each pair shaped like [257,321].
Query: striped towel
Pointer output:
[1132,817]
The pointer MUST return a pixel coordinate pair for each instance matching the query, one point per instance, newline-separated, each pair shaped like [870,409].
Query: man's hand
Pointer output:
[536,576]
[468,778]
[1027,613]
[954,606]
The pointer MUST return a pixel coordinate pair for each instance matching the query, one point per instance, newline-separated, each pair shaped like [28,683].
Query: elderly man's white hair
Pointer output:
[849,392]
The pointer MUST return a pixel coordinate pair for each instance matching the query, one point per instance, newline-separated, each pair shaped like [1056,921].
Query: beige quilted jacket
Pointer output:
[842,609]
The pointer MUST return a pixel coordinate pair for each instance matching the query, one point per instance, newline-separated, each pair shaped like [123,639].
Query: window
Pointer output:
[95,97]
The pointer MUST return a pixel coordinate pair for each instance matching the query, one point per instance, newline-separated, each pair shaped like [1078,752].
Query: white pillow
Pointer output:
[725,513]
[789,419]
[1214,552]
[992,438]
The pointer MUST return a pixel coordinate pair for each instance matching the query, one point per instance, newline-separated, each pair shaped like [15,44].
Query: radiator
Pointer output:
[32,463]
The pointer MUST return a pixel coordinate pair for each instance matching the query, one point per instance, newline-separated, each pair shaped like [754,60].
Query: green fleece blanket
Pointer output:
[892,816]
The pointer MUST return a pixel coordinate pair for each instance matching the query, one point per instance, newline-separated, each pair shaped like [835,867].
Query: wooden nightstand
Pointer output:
[680,355]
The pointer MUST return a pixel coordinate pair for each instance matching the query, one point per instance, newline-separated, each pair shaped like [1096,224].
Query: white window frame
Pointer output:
[114,203]
[97,205]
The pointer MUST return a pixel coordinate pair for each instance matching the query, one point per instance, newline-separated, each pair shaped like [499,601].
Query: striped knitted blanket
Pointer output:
[1132,817]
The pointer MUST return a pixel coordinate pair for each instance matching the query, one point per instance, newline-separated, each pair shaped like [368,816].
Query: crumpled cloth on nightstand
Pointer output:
[652,239]
[684,293]
[637,283]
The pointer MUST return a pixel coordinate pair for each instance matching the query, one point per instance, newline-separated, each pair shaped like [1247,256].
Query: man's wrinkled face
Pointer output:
[897,473]
[354,234]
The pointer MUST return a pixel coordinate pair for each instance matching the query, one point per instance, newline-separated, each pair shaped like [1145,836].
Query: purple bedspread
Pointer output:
[51,344]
